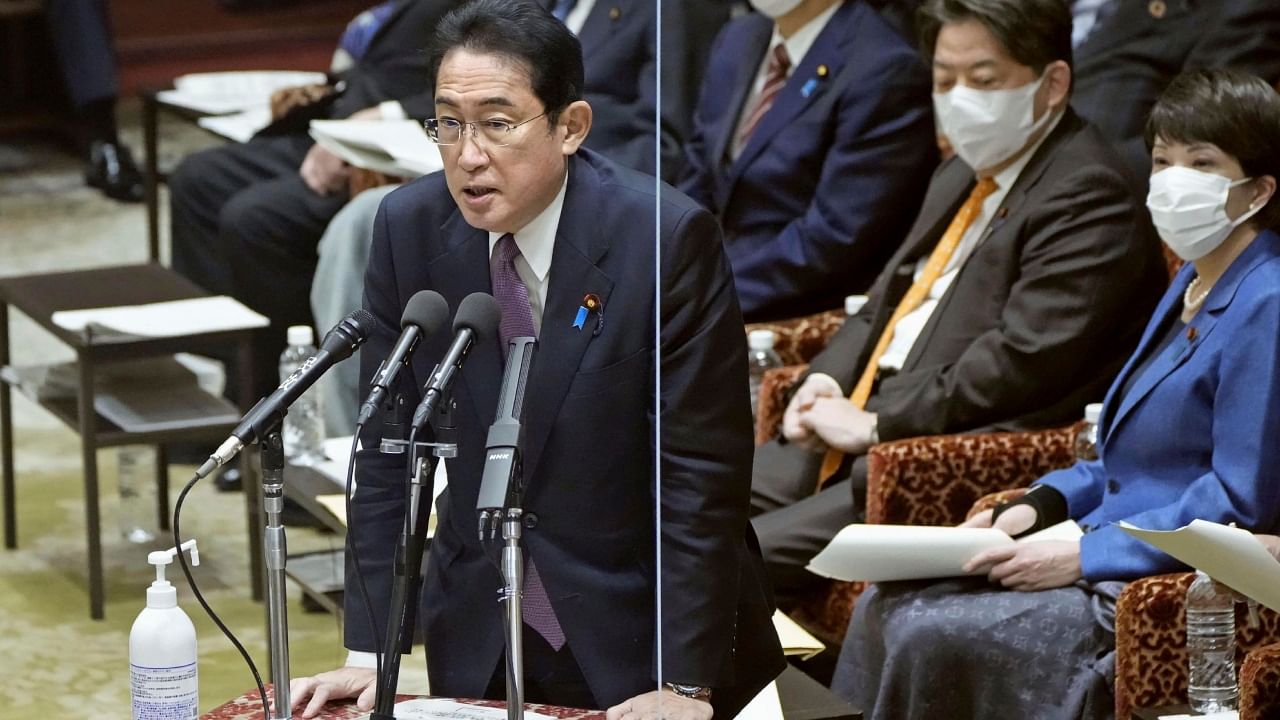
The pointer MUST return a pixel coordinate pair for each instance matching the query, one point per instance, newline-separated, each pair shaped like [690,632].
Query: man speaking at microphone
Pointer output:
[566,241]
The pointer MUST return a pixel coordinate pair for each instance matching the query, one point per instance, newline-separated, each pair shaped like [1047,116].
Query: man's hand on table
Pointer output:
[345,682]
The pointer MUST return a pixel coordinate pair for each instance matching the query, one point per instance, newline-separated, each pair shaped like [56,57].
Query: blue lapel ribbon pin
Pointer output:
[590,304]
[811,84]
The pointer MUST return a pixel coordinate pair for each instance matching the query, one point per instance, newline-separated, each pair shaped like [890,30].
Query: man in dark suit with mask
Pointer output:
[626,480]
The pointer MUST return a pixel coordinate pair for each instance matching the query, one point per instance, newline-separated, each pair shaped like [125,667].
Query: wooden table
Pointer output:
[249,707]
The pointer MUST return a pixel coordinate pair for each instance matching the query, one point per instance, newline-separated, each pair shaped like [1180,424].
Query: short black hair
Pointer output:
[523,31]
[1033,32]
[1236,111]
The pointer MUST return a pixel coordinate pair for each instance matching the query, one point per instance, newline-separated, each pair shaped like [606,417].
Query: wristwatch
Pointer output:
[696,692]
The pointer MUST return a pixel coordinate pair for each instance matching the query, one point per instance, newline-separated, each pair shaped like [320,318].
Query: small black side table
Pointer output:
[39,297]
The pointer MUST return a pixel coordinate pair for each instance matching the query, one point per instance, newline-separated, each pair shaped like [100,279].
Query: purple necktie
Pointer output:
[517,321]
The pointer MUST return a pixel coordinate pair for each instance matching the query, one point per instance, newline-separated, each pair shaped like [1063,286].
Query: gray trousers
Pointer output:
[336,290]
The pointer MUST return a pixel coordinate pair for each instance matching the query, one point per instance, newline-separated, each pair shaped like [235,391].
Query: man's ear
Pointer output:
[576,121]
[1058,78]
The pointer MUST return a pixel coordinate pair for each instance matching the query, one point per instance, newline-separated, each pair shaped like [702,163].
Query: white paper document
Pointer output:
[394,147]
[1223,715]
[1229,555]
[794,639]
[173,318]
[766,705]
[238,127]
[433,709]
[219,93]
[881,553]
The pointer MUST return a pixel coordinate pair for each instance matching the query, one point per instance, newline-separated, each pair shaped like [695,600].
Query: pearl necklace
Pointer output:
[1193,297]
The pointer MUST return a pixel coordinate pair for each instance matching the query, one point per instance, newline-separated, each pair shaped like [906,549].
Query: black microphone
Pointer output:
[478,317]
[425,313]
[500,485]
[337,346]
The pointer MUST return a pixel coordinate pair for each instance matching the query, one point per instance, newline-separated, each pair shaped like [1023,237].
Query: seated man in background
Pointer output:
[1030,254]
[620,59]
[242,212]
[812,144]
[1127,51]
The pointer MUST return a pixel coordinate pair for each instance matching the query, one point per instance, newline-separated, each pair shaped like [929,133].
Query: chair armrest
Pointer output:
[798,340]
[286,100]
[986,502]
[935,480]
[1260,684]
[773,400]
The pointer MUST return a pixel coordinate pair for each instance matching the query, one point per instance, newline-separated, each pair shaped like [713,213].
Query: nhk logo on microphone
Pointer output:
[500,455]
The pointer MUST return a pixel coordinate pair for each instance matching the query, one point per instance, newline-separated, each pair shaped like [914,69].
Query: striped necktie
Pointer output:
[919,291]
[775,79]
[517,321]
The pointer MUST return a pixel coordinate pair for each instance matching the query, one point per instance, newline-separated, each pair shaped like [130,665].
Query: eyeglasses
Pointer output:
[496,133]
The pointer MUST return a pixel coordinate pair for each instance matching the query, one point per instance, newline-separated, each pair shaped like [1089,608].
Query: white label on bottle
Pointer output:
[165,693]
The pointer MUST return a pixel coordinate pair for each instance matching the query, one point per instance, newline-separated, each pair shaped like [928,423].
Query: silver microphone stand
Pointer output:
[275,551]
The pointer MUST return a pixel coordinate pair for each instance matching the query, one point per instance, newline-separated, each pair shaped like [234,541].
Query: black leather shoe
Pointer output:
[111,170]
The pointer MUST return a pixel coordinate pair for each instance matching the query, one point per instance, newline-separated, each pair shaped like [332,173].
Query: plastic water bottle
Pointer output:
[304,424]
[761,358]
[164,682]
[136,478]
[1211,646]
[1086,447]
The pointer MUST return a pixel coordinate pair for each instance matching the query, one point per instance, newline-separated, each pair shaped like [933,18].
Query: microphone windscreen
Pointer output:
[348,334]
[427,310]
[478,312]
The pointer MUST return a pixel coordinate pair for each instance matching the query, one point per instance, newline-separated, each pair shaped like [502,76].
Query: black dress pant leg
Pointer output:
[792,522]
[81,37]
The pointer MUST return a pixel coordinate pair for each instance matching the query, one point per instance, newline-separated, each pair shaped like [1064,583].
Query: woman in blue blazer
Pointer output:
[1190,429]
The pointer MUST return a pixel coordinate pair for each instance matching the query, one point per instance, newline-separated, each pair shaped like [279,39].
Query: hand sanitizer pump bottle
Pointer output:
[162,650]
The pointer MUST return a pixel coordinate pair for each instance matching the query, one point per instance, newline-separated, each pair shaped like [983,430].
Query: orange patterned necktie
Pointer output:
[919,291]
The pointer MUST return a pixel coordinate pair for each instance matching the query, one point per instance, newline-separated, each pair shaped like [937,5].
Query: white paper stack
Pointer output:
[394,147]
[174,318]
[220,93]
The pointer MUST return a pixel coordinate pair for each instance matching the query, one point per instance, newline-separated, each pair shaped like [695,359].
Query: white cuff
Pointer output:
[827,380]
[392,110]
[356,658]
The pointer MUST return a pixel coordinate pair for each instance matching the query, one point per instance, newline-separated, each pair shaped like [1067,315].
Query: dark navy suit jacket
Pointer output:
[1198,433]
[590,425]
[830,181]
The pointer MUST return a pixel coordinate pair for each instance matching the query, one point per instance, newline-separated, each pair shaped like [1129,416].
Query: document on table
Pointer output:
[794,639]
[881,553]
[219,93]
[434,709]
[1229,555]
[174,318]
[238,127]
[394,147]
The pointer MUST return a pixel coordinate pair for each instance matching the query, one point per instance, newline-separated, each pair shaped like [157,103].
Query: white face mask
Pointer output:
[1189,209]
[775,8]
[986,127]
